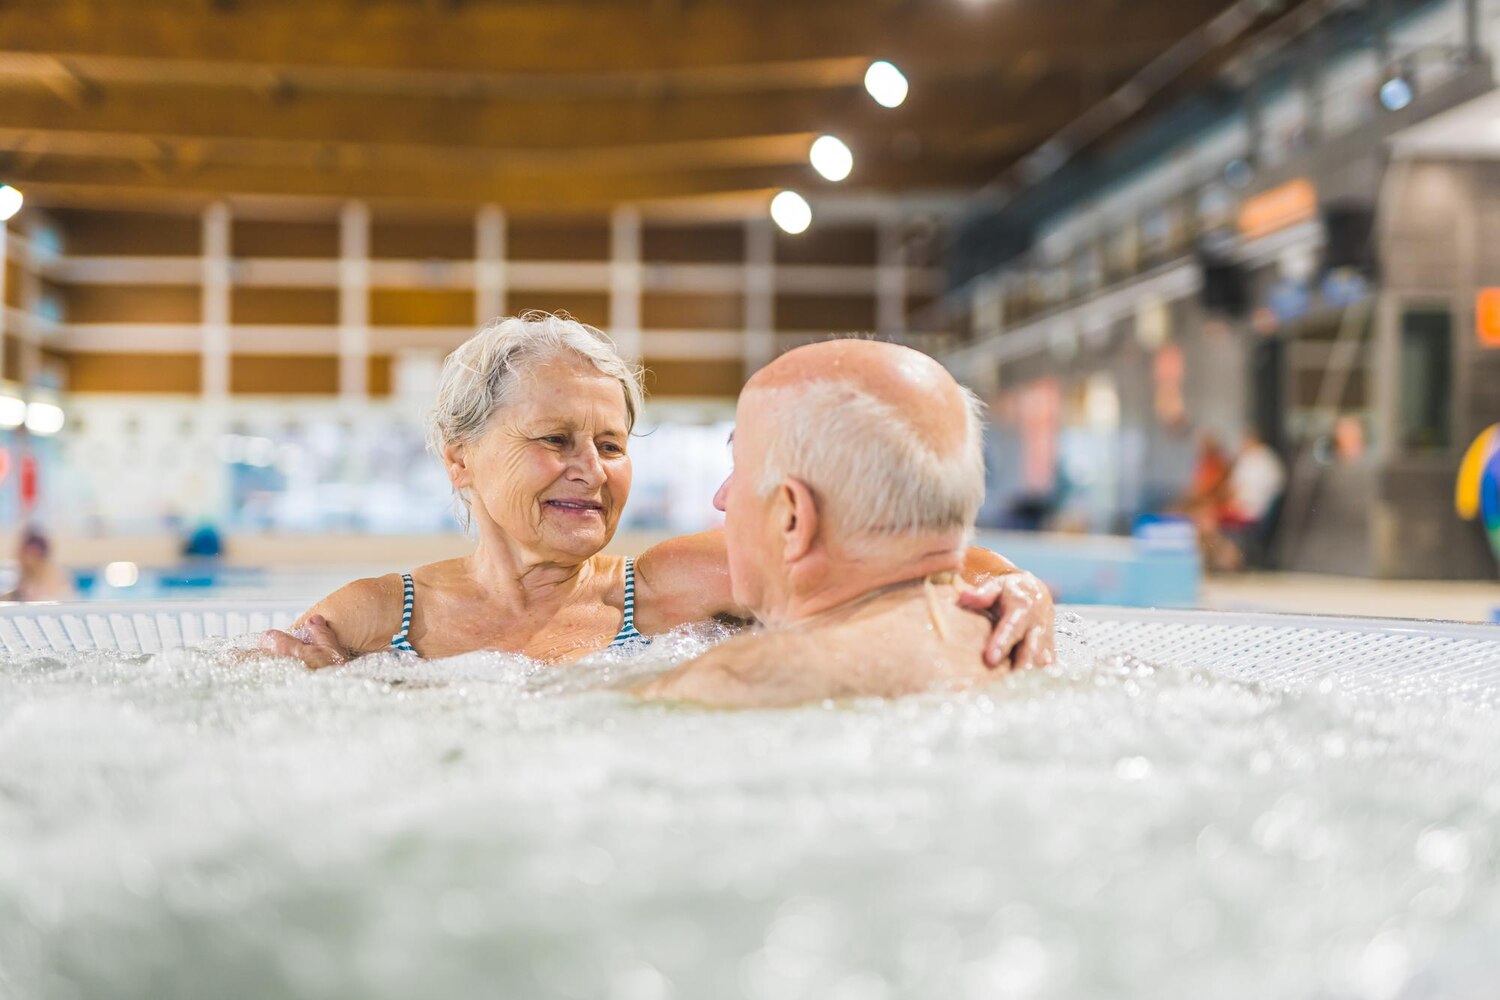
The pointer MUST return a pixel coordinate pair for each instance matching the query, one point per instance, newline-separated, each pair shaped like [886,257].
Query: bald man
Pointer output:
[858,472]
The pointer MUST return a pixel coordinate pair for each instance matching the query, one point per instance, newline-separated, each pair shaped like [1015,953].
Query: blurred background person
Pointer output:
[38,577]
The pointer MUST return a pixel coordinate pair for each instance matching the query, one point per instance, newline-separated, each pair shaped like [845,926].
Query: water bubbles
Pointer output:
[639,981]
[1383,967]
[459,913]
[1017,968]
[1443,849]
[489,826]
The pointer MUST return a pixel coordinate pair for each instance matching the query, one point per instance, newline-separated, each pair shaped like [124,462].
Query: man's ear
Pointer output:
[799,519]
[455,460]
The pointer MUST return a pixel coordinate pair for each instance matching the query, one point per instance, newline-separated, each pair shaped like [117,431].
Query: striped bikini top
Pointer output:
[627,636]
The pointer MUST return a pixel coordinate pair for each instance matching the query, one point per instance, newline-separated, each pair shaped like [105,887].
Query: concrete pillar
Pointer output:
[354,301]
[216,285]
[625,281]
[760,295]
[489,265]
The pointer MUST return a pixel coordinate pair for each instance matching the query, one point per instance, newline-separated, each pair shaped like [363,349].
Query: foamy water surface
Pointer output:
[182,825]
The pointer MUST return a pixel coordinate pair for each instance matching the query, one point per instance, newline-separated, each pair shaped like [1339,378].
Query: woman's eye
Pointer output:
[610,448]
[556,439]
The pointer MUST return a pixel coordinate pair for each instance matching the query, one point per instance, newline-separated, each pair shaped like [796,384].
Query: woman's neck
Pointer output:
[511,575]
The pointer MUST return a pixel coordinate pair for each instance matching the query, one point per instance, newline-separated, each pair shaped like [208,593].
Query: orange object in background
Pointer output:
[28,482]
[1282,206]
[1487,316]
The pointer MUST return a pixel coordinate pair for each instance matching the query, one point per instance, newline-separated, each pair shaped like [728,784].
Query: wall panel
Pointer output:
[722,243]
[688,311]
[825,313]
[97,372]
[87,232]
[421,307]
[558,239]
[283,374]
[828,244]
[275,238]
[586,307]
[131,303]
[694,378]
[273,306]
[412,240]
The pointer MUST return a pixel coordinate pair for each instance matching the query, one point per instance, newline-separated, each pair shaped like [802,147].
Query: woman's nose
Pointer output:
[588,466]
[720,493]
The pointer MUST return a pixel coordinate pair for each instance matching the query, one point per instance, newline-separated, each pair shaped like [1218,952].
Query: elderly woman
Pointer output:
[532,421]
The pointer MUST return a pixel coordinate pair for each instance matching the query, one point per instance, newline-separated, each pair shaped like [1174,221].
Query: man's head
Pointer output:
[851,457]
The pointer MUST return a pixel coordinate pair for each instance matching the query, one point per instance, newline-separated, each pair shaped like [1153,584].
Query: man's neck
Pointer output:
[846,580]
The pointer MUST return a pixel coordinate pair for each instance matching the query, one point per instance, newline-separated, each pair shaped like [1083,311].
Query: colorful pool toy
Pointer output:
[1478,489]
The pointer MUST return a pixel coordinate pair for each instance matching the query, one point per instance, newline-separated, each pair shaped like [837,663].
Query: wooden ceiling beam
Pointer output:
[62,180]
[949,111]
[559,37]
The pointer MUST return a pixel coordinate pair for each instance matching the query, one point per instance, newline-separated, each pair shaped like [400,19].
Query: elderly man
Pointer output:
[858,473]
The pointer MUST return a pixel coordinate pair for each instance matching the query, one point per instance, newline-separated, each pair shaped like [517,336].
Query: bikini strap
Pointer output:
[628,634]
[408,598]
[628,623]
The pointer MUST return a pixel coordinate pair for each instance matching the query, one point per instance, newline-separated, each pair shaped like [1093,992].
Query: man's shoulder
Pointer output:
[755,669]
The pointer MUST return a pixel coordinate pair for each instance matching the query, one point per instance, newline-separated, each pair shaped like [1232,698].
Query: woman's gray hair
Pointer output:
[864,460]
[482,374]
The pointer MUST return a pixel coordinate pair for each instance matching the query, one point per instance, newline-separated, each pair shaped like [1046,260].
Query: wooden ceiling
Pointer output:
[546,105]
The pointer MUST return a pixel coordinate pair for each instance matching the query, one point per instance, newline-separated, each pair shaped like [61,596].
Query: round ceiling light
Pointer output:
[10,201]
[791,212]
[831,158]
[886,84]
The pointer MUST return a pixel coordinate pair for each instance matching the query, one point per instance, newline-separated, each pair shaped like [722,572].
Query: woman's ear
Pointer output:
[799,520]
[455,460]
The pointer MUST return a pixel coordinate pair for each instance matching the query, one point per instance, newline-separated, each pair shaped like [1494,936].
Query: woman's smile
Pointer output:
[575,508]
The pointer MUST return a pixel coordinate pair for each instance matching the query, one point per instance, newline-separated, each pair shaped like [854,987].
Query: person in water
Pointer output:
[532,421]
[858,472]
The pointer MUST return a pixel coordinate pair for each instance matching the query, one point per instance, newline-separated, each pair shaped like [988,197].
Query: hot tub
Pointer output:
[1189,805]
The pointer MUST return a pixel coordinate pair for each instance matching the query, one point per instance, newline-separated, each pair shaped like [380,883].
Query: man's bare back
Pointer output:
[896,642]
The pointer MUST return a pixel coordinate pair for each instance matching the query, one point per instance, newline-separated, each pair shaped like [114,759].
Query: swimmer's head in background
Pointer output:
[1477,493]
[35,544]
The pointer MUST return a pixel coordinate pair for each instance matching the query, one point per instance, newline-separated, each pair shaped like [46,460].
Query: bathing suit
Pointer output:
[627,636]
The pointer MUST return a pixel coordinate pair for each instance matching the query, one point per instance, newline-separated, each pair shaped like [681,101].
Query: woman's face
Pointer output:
[550,469]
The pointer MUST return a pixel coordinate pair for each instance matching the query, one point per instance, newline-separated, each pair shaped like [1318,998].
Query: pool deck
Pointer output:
[1305,593]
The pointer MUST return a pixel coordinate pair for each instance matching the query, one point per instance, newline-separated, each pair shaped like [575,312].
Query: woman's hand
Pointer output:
[320,647]
[1022,609]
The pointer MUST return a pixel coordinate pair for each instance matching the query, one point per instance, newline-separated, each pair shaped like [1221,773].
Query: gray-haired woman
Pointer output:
[532,422]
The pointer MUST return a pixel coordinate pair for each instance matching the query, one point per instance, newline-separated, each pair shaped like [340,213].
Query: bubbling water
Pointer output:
[188,825]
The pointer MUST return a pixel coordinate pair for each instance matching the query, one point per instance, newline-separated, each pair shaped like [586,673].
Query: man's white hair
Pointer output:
[484,372]
[870,470]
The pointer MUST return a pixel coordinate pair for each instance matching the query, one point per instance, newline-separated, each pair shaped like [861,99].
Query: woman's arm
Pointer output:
[682,580]
[358,618]
[686,580]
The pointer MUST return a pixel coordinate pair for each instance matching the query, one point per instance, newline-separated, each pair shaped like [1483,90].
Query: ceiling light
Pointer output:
[1396,93]
[791,212]
[831,158]
[10,201]
[44,418]
[12,412]
[886,84]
